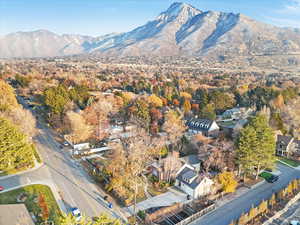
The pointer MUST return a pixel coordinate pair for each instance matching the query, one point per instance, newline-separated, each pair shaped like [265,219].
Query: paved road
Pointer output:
[232,210]
[65,175]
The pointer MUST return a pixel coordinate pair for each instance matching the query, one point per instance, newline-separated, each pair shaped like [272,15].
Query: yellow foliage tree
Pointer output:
[187,106]
[263,207]
[228,182]
[8,99]
[272,200]
[127,97]
[278,102]
[252,213]
[155,101]
[185,95]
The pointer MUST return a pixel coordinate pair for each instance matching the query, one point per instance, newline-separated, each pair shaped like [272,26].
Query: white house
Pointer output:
[205,127]
[192,183]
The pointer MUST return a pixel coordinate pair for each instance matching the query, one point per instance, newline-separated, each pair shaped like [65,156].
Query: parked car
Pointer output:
[1,188]
[272,179]
[294,222]
[76,212]
[66,143]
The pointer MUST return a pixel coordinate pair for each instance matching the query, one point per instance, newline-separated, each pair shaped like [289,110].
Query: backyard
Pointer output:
[35,197]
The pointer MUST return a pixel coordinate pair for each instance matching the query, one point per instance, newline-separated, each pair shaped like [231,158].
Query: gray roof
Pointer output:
[15,214]
[199,124]
[188,172]
[191,159]
[281,139]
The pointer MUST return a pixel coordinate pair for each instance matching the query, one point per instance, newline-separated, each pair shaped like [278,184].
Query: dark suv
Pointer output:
[272,179]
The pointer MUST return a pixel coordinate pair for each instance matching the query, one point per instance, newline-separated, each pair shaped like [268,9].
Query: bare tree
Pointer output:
[173,126]
[78,130]
[128,161]
[171,165]
[24,119]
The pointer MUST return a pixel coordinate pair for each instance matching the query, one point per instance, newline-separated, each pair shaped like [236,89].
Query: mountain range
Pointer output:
[181,30]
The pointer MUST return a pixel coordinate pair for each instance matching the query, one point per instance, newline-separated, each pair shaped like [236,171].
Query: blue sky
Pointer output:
[97,17]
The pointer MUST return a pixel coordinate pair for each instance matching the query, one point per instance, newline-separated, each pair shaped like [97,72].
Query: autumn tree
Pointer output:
[173,126]
[128,161]
[78,131]
[171,165]
[278,102]
[44,207]
[97,115]
[22,118]
[228,181]
[186,106]
[155,101]
[8,99]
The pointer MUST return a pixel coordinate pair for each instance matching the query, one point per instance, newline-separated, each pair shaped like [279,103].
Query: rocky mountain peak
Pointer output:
[180,11]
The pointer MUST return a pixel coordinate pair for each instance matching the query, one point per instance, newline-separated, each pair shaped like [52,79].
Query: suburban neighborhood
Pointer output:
[192,118]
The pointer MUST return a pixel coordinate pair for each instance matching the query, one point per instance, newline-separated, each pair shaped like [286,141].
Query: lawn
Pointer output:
[32,192]
[290,162]
[266,175]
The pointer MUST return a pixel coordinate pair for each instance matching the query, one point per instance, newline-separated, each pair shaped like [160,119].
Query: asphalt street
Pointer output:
[74,186]
[232,210]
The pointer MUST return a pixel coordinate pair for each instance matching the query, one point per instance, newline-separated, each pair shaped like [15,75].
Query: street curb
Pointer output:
[286,164]
[39,165]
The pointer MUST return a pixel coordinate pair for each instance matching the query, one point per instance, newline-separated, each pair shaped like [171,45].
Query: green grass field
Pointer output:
[290,162]
[32,192]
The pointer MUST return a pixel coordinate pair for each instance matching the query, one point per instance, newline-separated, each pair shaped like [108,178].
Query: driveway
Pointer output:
[232,210]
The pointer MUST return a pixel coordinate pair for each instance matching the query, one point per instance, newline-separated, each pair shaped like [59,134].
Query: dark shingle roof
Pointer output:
[284,139]
[200,124]
[189,173]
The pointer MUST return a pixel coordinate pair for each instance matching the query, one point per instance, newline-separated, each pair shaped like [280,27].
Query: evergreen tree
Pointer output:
[15,150]
[208,112]
[256,146]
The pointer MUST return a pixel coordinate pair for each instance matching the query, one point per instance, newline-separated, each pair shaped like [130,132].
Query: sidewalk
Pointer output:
[230,197]
[37,166]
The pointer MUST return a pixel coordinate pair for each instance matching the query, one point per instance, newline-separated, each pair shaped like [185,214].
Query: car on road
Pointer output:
[294,222]
[272,179]
[1,188]
[269,177]
[66,143]
[76,212]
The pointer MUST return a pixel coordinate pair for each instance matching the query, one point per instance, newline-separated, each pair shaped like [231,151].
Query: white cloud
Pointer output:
[291,7]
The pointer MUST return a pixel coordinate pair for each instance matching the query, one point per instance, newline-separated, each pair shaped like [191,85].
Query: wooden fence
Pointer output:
[197,215]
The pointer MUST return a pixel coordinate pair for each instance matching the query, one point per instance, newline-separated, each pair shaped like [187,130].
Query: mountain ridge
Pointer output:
[180,30]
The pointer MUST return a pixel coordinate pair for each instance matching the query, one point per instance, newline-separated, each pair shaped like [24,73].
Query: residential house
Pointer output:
[166,168]
[192,160]
[208,128]
[286,145]
[15,214]
[236,114]
[232,127]
[192,183]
